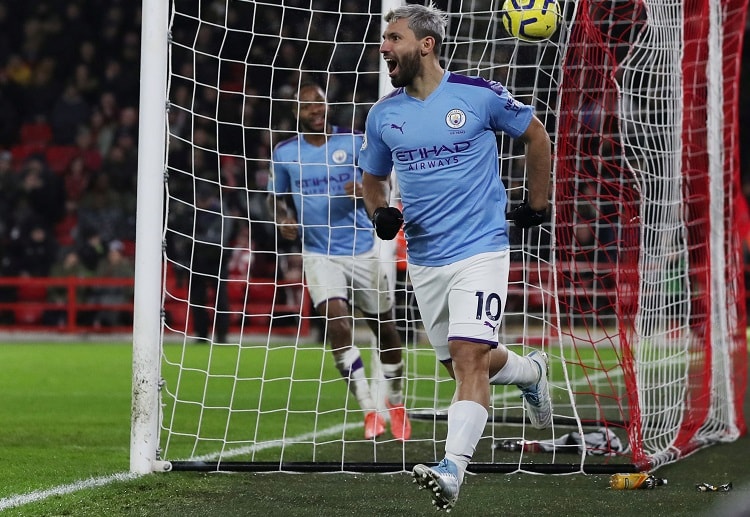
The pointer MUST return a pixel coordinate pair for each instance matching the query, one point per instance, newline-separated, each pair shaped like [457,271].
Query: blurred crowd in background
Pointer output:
[69,92]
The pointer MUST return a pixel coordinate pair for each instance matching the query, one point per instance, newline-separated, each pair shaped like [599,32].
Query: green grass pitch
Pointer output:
[65,414]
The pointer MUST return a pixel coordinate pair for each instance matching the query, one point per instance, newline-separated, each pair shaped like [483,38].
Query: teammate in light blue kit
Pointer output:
[318,170]
[437,132]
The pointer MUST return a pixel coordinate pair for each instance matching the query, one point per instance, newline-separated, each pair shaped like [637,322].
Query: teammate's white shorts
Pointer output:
[464,300]
[358,279]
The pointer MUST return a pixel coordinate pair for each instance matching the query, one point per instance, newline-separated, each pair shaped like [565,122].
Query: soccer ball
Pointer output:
[530,20]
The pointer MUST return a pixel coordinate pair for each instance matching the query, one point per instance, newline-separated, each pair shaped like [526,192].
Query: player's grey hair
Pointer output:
[422,20]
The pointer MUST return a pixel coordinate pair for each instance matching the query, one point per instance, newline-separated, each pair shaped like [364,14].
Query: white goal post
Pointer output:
[147,320]
[634,288]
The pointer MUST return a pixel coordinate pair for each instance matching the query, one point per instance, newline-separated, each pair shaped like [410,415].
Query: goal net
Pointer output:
[634,288]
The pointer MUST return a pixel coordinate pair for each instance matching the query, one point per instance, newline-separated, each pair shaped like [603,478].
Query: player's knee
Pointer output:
[340,331]
[470,358]
[389,336]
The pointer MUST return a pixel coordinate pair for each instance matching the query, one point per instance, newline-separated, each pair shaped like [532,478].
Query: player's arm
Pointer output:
[538,164]
[283,215]
[375,191]
[538,171]
[387,220]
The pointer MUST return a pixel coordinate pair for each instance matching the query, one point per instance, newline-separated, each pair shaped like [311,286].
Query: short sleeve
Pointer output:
[374,156]
[506,113]
[278,180]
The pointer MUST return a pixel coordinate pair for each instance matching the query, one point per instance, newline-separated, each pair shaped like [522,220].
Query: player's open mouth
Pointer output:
[392,65]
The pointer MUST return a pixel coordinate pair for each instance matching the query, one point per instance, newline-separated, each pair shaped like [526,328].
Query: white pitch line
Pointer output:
[39,495]
[231,453]
[32,497]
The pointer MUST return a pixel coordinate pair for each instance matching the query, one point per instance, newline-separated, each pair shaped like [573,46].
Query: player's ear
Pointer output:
[427,45]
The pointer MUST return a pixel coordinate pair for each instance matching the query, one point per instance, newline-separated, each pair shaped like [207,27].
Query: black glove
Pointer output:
[387,221]
[524,217]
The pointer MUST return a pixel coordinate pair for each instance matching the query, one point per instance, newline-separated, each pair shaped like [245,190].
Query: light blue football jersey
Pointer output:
[332,222]
[444,153]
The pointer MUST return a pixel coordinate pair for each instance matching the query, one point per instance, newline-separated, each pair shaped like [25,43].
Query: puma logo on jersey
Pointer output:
[400,128]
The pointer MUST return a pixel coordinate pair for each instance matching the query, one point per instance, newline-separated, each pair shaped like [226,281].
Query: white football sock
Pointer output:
[518,370]
[466,422]
[352,369]
[393,378]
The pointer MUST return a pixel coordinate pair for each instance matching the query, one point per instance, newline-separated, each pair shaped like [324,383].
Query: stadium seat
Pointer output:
[261,290]
[32,292]
[92,158]
[236,289]
[540,280]
[176,314]
[22,152]
[28,313]
[128,248]
[60,156]
[175,286]
[36,133]
[65,229]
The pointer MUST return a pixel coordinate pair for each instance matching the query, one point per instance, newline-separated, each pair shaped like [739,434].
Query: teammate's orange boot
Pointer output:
[400,424]
[374,425]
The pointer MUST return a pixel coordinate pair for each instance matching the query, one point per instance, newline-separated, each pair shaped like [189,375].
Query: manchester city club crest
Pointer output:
[455,118]
[339,156]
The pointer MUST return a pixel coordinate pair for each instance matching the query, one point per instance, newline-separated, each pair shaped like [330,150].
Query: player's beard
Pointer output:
[408,68]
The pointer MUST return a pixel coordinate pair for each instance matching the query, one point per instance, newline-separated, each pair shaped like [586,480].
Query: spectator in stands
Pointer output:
[67,229]
[86,83]
[18,70]
[124,83]
[88,55]
[103,128]
[8,192]
[69,266]
[8,196]
[86,148]
[42,92]
[90,247]
[130,55]
[123,160]
[9,122]
[34,34]
[291,265]
[32,249]
[128,123]
[114,265]
[210,262]
[69,113]
[40,191]
[264,231]
[7,33]
[101,208]
[76,178]
[121,167]
[76,23]
[241,255]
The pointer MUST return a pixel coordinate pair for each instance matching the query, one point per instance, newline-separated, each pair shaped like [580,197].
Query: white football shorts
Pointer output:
[358,279]
[464,300]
